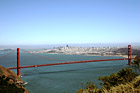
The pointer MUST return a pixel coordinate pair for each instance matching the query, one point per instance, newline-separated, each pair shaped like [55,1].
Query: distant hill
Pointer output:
[124,51]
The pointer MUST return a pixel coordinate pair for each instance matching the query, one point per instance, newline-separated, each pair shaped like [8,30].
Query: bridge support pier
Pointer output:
[18,62]
[129,55]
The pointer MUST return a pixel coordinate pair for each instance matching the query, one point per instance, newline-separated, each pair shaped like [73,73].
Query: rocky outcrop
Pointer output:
[10,82]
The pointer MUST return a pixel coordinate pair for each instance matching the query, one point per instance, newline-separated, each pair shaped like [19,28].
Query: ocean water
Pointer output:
[61,78]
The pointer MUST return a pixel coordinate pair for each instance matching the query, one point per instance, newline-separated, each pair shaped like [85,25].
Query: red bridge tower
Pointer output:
[129,55]
[18,62]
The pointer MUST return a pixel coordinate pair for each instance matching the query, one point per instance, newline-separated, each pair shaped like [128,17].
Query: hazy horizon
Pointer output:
[72,44]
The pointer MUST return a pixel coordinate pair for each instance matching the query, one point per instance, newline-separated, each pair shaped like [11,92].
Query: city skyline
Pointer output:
[40,22]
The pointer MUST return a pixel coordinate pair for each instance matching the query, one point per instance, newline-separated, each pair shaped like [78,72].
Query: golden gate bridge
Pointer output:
[61,63]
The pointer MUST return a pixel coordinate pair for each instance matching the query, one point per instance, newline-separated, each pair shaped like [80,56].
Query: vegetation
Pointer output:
[123,76]
[136,63]
[10,82]
[131,87]
[123,81]
[8,86]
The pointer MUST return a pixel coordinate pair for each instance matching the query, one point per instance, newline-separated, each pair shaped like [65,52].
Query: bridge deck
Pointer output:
[72,62]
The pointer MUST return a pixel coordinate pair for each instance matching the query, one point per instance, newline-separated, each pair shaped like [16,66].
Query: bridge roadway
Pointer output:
[71,62]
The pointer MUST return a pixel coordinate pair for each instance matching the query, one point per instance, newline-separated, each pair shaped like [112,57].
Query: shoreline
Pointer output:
[125,56]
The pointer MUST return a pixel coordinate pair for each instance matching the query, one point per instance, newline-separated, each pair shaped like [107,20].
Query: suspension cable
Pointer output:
[7,54]
[41,56]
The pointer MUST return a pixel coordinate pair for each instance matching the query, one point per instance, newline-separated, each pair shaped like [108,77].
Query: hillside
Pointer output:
[131,87]
[10,82]
[125,81]
[124,51]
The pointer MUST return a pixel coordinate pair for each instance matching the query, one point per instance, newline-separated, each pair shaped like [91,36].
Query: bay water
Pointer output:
[61,78]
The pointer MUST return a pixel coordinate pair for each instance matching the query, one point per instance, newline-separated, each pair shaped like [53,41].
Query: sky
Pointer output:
[38,22]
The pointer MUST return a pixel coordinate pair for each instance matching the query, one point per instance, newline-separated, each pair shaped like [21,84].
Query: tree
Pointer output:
[122,77]
[136,63]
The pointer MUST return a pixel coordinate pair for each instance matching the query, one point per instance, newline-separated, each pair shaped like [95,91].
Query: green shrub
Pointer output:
[115,83]
[136,63]
[90,88]
[122,77]
[131,87]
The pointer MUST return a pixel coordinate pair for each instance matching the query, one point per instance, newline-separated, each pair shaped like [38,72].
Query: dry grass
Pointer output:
[131,87]
[8,72]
